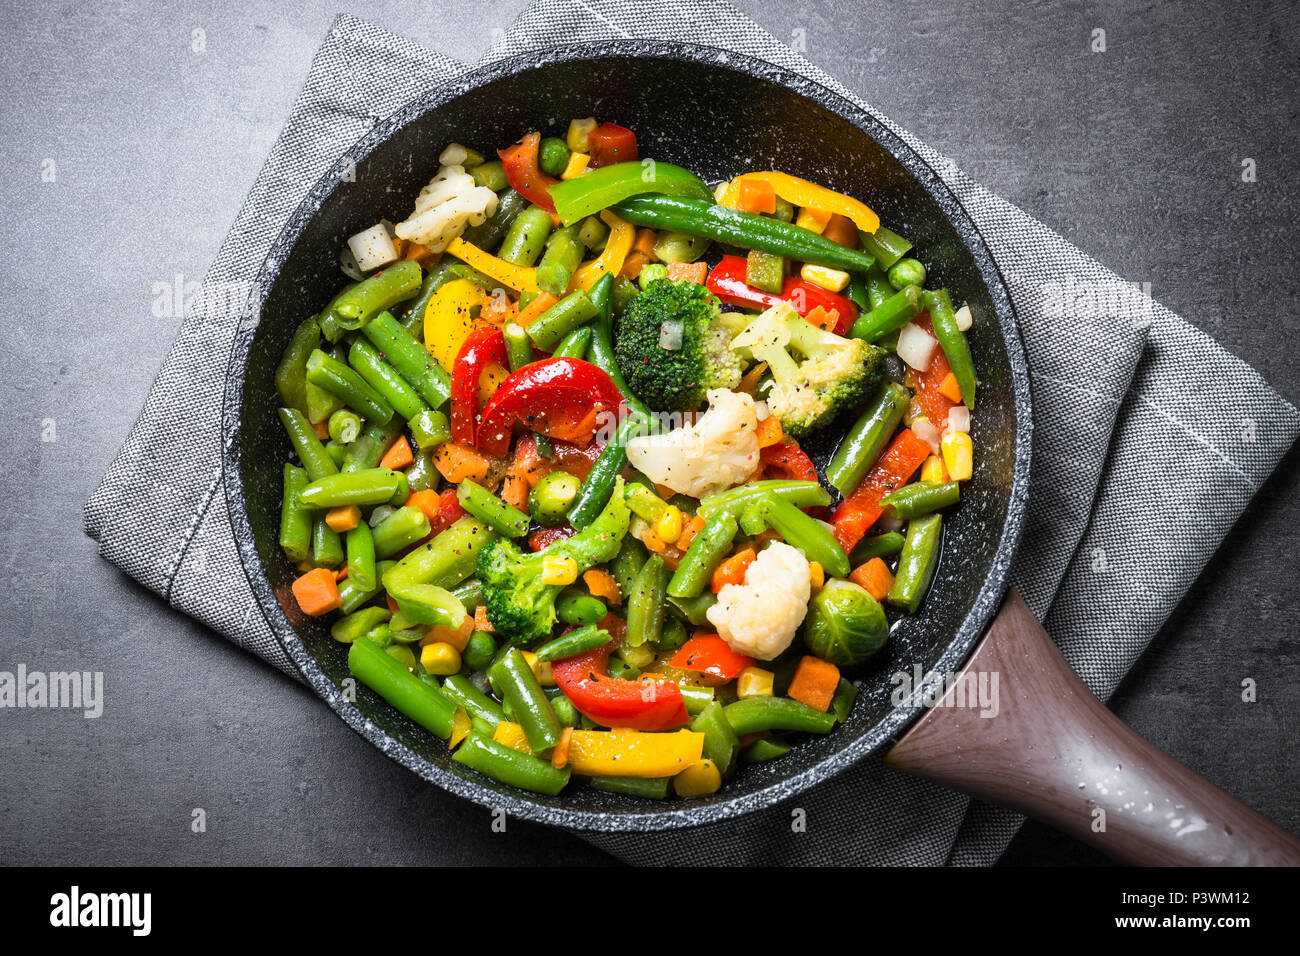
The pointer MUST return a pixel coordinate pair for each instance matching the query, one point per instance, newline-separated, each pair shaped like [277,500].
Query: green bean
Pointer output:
[801,494]
[344,426]
[462,270]
[491,174]
[565,712]
[367,451]
[599,484]
[673,635]
[706,551]
[385,381]
[885,245]
[552,496]
[381,291]
[361,556]
[578,609]
[501,517]
[645,603]
[879,291]
[620,668]
[383,674]
[644,502]
[552,155]
[627,563]
[358,624]
[751,520]
[880,546]
[509,766]
[411,359]
[332,375]
[489,233]
[807,534]
[865,441]
[371,486]
[856,292]
[720,742]
[648,788]
[329,327]
[601,348]
[402,528]
[696,698]
[411,312]
[526,237]
[756,714]
[354,597]
[422,474]
[769,748]
[519,347]
[429,604]
[460,690]
[559,320]
[479,651]
[695,609]
[625,290]
[574,642]
[953,342]
[906,272]
[574,345]
[430,429]
[315,459]
[326,545]
[533,712]
[891,315]
[291,372]
[446,560]
[469,594]
[593,233]
[562,256]
[917,563]
[321,404]
[337,451]
[846,692]
[295,517]
[921,498]
[680,247]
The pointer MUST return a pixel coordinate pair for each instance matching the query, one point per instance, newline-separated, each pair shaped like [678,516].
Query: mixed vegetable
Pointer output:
[549,477]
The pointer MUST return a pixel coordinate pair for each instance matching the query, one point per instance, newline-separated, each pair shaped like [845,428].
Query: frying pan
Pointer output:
[1053,751]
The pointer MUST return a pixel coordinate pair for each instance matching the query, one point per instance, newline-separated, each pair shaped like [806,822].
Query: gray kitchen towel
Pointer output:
[1119,387]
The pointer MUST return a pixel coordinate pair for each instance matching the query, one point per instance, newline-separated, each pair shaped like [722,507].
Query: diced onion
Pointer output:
[453,155]
[924,429]
[964,318]
[379,514]
[889,523]
[916,346]
[373,247]
[348,263]
[670,335]
[958,420]
[761,410]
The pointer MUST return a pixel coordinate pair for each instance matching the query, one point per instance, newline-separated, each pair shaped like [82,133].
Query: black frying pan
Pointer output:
[717,113]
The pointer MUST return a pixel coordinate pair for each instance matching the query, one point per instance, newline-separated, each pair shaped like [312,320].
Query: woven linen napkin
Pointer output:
[1119,386]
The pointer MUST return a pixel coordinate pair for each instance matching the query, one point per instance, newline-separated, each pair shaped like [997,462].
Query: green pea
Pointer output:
[479,651]
[906,272]
[553,156]
[550,499]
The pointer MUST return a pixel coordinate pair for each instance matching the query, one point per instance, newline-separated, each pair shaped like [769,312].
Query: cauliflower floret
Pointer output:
[760,617]
[720,450]
[445,208]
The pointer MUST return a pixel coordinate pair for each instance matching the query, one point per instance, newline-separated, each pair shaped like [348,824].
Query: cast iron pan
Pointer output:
[667,93]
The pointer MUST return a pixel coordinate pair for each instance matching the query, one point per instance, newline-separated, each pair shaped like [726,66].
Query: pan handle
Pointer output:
[1053,751]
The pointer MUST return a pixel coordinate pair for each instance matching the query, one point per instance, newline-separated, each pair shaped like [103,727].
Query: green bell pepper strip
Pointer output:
[509,766]
[532,711]
[328,373]
[358,624]
[295,517]
[366,360]
[801,494]
[361,556]
[446,561]
[526,237]
[574,345]
[707,549]
[326,545]
[580,609]
[756,714]
[740,229]
[354,597]
[694,610]
[648,788]
[769,748]
[470,594]
[696,698]
[563,255]
[559,320]
[846,692]
[953,342]
[291,372]
[501,517]
[399,530]
[367,451]
[721,744]
[411,359]
[422,474]
[491,174]
[383,674]
[878,289]
[878,546]
[921,498]
[601,188]
[316,461]
[381,291]
[429,604]
[807,534]
[371,486]
[866,440]
[576,641]
[885,245]
[461,690]
[645,603]
[489,233]
[917,563]
[892,314]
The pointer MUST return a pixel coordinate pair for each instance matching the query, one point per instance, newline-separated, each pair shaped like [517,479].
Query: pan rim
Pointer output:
[874,740]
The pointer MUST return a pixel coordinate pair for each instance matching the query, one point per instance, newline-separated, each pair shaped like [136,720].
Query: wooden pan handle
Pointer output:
[1053,751]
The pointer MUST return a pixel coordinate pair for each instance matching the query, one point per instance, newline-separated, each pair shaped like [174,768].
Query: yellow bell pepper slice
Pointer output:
[808,195]
[619,244]
[519,278]
[633,753]
[512,735]
[449,318]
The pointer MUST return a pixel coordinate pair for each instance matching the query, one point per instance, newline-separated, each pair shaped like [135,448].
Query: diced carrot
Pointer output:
[756,195]
[535,308]
[654,543]
[421,254]
[949,388]
[645,242]
[392,604]
[874,578]
[814,683]
[769,431]
[514,491]
[399,454]
[560,754]
[456,462]
[498,309]
[481,622]
[317,592]
[341,573]
[322,429]
[602,584]
[688,271]
[693,527]
[732,570]
[457,637]
[428,501]
[663,491]
[841,229]
[824,319]
[633,264]
[343,518]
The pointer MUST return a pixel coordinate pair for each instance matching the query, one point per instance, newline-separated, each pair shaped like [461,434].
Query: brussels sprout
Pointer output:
[845,624]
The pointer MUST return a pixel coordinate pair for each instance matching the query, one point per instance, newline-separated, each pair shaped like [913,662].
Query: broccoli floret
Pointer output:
[672,344]
[520,606]
[835,375]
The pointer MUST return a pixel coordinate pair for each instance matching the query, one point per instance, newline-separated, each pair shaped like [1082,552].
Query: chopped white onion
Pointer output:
[379,514]
[889,523]
[924,429]
[348,263]
[916,346]
[958,420]
[453,155]
[761,410]
[964,318]
[373,247]
[670,335]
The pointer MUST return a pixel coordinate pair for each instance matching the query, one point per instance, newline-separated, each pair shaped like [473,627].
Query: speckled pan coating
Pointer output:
[667,93]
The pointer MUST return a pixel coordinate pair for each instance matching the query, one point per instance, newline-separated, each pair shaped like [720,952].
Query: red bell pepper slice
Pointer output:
[785,459]
[525,175]
[616,702]
[482,347]
[727,282]
[934,404]
[609,143]
[711,655]
[860,510]
[559,397]
[543,538]
[449,511]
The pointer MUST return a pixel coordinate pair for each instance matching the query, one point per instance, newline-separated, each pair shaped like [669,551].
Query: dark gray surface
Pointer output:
[1134,154]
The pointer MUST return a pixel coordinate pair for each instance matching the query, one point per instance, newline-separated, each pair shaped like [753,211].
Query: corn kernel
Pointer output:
[440,659]
[754,682]
[559,569]
[813,219]
[669,525]
[699,779]
[833,280]
[933,470]
[958,455]
[816,575]
[576,166]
